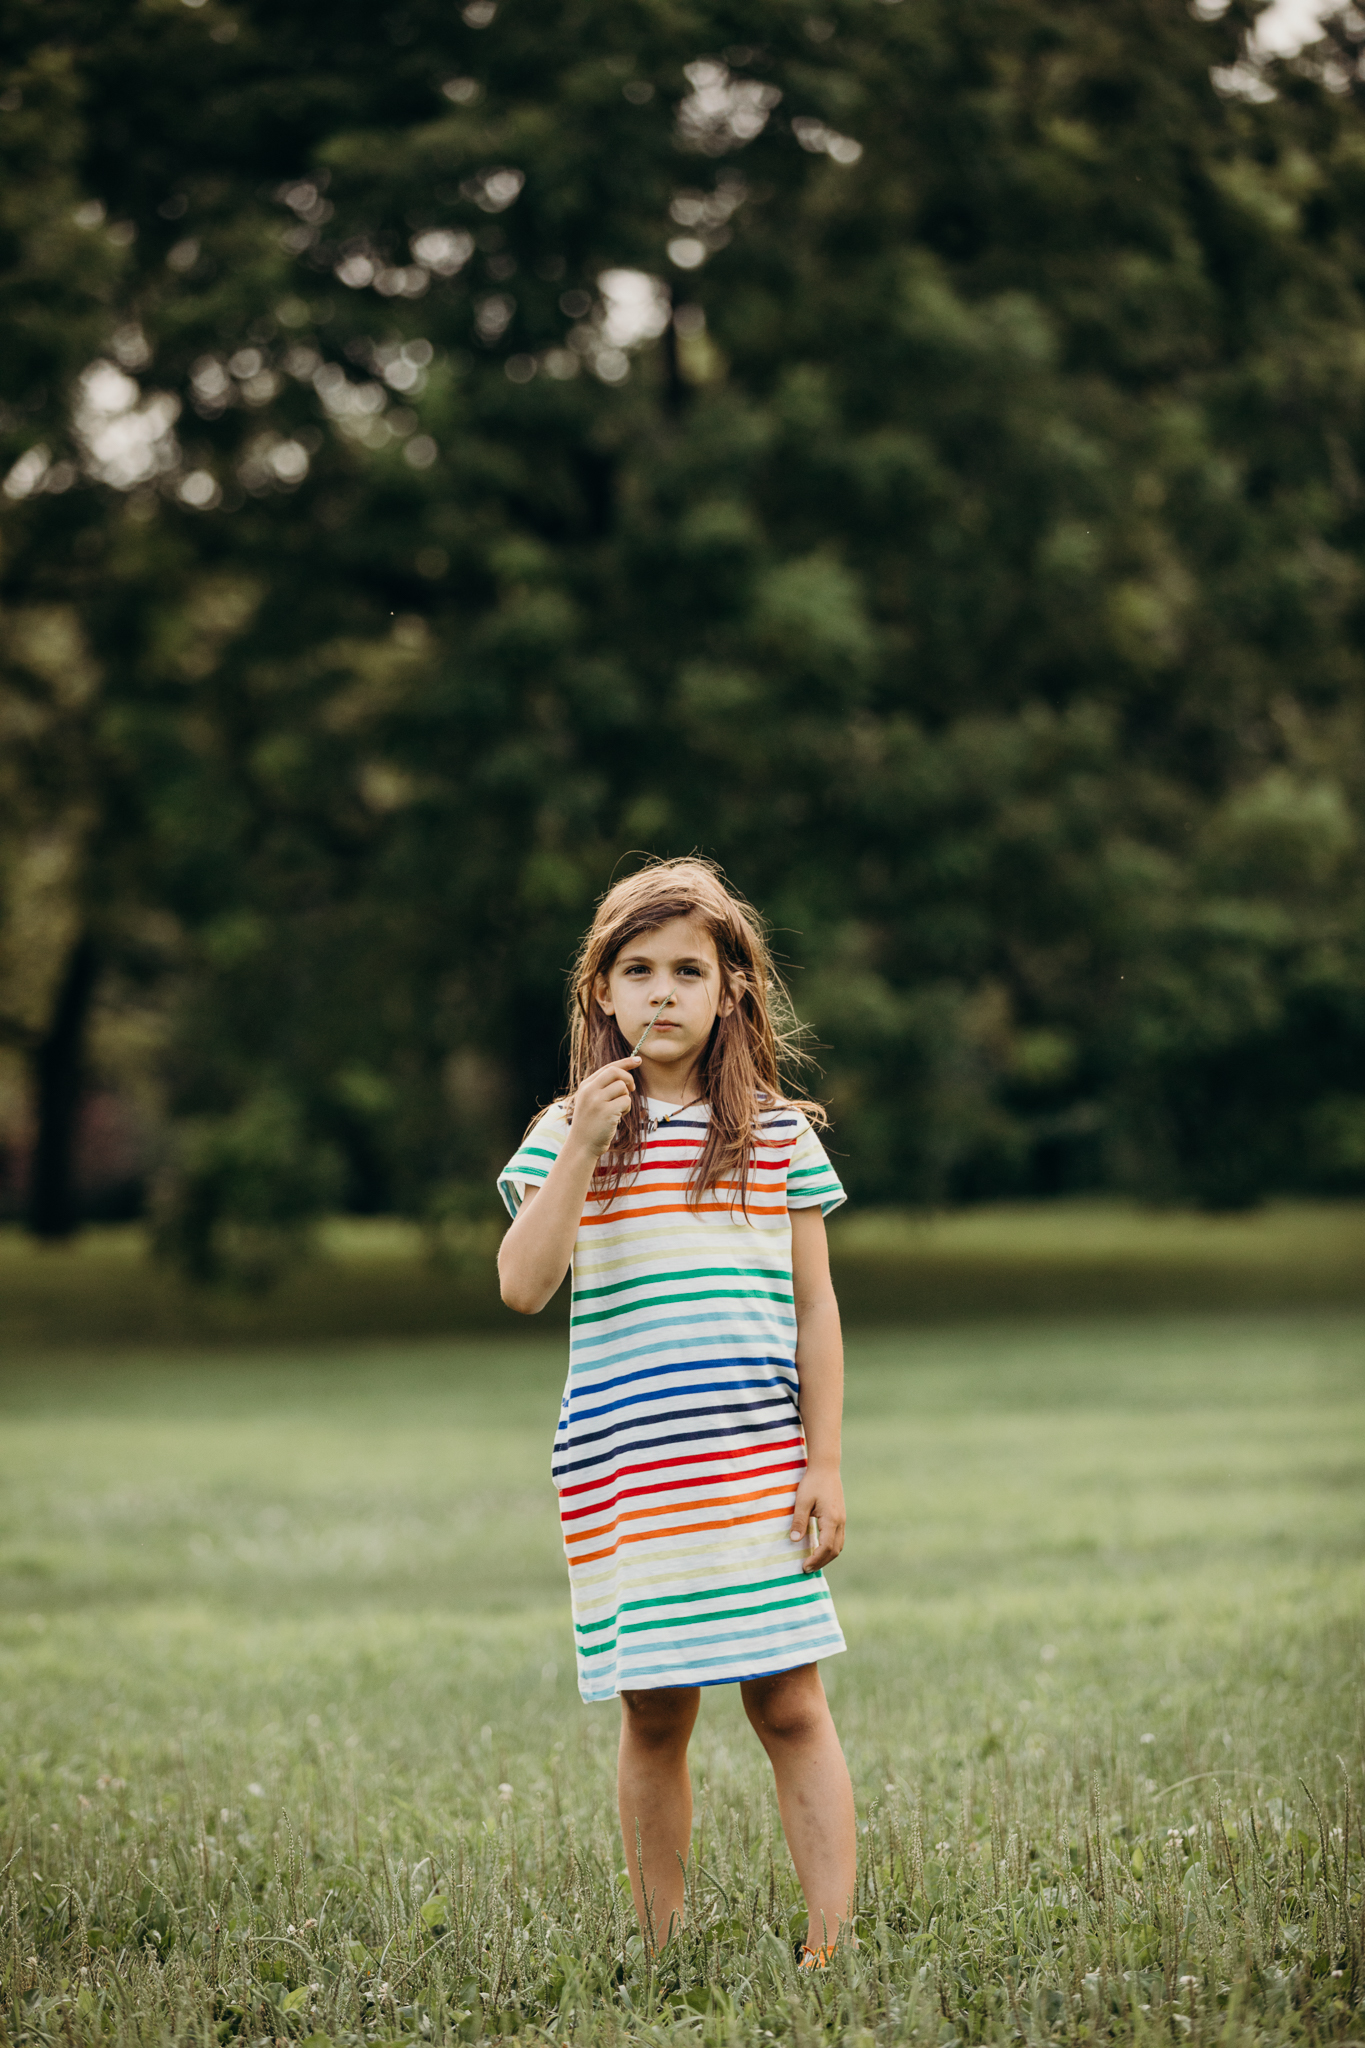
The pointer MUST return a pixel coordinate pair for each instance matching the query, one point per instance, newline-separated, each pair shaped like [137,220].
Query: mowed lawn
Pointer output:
[285,1640]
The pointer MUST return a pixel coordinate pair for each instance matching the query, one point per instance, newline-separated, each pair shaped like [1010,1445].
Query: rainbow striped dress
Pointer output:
[679,1445]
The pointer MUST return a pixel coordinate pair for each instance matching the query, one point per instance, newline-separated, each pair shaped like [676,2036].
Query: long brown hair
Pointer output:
[751,1041]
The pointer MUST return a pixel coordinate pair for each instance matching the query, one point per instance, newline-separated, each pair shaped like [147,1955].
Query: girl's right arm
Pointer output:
[535,1254]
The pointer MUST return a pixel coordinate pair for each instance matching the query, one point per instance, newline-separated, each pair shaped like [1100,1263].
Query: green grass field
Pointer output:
[290,1748]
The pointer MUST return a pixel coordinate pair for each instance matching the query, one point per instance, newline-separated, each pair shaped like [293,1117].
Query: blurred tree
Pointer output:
[909,451]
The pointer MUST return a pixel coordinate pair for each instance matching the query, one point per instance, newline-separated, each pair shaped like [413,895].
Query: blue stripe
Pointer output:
[580,1367]
[808,1644]
[670,1365]
[695,1436]
[707,1387]
[576,1441]
[730,1317]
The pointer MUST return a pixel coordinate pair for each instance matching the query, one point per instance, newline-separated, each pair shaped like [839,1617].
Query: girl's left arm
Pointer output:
[820,1370]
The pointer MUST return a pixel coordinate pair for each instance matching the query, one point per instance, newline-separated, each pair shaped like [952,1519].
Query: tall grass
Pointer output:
[289,1747]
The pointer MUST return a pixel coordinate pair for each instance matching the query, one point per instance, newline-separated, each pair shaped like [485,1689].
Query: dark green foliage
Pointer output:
[979,582]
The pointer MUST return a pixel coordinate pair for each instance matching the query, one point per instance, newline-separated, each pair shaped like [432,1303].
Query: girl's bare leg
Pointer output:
[791,1718]
[655,1796]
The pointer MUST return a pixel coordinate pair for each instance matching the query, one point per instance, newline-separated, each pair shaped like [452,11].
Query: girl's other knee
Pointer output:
[661,1718]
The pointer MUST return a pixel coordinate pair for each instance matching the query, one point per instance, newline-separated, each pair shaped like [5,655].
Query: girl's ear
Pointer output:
[734,995]
[602,995]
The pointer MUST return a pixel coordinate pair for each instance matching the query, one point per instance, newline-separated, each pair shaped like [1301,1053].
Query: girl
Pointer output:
[697,1455]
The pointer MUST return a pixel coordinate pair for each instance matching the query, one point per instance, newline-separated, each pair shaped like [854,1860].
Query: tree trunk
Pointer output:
[58,1077]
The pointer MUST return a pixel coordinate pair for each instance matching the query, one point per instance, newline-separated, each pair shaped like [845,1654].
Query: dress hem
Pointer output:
[594,1699]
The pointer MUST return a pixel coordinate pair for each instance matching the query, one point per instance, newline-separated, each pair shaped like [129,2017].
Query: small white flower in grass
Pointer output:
[504,1792]
[256,1791]
[1146,1738]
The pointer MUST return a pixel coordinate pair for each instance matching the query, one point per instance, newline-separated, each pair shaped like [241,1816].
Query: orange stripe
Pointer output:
[684,1529]
[669,1507]
[681,1209]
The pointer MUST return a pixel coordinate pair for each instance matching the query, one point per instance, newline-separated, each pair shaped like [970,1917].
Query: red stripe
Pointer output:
[696,1458]
[678,1485]
[678,1209]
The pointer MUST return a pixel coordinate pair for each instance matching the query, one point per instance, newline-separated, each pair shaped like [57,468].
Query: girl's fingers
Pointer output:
[828,1549]
[828,1541]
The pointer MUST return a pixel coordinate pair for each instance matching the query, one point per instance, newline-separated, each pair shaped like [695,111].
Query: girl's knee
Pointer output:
[789,1707]
[662,1716]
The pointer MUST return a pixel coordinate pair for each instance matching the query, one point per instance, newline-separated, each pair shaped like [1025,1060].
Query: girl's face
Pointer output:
[677,960]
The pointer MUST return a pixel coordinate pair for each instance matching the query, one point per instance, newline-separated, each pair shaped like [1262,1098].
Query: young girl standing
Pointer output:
[697,1455]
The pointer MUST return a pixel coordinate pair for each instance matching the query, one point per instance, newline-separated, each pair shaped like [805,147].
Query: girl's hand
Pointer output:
[601,1102]
[820,1498]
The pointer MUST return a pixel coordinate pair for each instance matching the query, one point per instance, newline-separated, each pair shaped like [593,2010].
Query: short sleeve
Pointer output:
[811,1180]
[534,1157]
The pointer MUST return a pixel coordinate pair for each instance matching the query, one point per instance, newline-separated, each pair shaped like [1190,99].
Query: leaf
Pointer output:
[295,2001]
[436,1912]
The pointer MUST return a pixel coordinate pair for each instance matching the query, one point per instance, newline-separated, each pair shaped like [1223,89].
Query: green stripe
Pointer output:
[636,1628]
[688,1273]
[534,1152]
[627,1308]
[680,1600]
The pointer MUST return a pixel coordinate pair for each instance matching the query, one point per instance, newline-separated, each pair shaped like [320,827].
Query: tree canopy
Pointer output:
[910,452]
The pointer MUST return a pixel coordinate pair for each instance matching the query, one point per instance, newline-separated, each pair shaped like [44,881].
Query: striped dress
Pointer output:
[679,1445]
